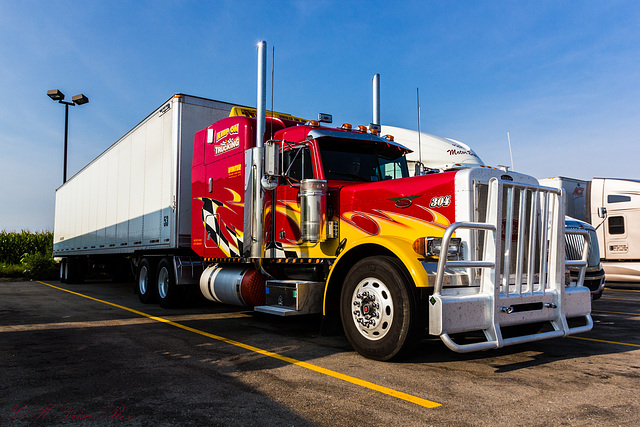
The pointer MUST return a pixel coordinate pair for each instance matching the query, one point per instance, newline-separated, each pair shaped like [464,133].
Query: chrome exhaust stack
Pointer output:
[376,102]
[254,160]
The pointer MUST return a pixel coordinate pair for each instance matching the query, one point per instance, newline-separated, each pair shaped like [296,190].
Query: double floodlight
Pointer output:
[56,95]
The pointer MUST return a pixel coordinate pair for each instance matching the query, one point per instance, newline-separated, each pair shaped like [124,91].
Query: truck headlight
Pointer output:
[432,247]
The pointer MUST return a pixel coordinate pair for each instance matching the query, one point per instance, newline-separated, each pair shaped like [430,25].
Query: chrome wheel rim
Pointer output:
[143,280]
[163,283]
[372,308]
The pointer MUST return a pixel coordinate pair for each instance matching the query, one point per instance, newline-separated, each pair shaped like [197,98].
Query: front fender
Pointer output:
[370,246]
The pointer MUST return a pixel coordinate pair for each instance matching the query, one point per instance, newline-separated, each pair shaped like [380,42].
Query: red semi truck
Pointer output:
[293,217]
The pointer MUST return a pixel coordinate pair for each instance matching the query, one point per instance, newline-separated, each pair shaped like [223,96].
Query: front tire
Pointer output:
[379,309]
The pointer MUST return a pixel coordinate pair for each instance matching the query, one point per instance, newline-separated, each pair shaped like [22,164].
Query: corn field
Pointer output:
[14,245]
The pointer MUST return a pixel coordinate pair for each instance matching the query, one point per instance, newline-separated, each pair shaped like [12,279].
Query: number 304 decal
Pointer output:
[439,202]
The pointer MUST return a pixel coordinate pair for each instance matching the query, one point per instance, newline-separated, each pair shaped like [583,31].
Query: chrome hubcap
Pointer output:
[163,282]
[143,280]
[372,308]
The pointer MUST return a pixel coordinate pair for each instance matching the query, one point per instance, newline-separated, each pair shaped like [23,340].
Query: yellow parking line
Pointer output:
[353,380]
[604,341]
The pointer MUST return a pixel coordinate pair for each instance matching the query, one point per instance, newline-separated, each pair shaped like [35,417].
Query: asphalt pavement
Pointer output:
[92,354]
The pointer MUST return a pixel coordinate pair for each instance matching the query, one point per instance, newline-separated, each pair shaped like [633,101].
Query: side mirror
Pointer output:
[602,212]
[271,158]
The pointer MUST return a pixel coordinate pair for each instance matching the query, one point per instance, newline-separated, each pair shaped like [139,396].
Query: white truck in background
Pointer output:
[433,152]
[612,206]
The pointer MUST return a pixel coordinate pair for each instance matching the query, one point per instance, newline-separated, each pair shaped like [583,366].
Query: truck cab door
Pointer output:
[619,236]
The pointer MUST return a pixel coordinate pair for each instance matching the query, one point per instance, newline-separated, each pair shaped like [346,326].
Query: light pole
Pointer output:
[56,95]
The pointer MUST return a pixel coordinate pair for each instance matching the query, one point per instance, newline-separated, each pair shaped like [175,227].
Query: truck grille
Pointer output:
[527,243]
[517,255]
[573,248]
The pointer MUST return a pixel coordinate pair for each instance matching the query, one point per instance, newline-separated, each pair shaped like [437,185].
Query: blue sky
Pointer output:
[561,76]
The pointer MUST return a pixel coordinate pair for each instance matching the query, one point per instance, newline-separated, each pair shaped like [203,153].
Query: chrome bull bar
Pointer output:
[534,293]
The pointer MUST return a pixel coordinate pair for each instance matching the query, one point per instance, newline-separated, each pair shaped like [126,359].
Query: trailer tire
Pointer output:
[63,271]
[73,274]
[146,281]
[379,309]
[169,293]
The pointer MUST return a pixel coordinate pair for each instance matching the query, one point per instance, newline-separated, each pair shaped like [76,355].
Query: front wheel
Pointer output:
[379,310]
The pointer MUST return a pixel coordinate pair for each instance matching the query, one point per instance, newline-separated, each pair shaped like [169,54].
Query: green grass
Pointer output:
[27,254]
[12,270]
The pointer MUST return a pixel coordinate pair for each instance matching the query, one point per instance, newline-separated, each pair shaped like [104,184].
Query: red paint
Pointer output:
[221,211]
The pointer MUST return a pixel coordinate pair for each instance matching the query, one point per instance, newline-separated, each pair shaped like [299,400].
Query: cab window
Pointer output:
[616,225]
[297,164]
[346,160]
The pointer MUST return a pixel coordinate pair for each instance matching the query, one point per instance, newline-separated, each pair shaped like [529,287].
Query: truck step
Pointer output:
[277,310]
[292,297]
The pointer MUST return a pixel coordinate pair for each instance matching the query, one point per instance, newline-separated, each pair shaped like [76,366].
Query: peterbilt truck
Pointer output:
[293,217]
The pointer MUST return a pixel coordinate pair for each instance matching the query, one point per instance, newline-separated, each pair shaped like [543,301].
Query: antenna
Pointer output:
[510,153]
[419,165]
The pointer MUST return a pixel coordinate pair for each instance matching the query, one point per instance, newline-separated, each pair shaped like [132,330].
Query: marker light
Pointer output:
[314,123]
[388,137]
[346,126]
[362,128]
[375,132]
[431,247]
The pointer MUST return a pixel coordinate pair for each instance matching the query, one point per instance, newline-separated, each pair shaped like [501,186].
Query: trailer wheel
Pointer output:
[379,310]
[72,273]
[63,271]
[146,281]
[169,294]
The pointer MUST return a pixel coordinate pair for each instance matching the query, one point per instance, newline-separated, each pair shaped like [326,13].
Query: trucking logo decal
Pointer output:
[234,171]
[230,144]
[462,150]
[440,202]
[578,191]
[216,228]
[404,202]
[233,130]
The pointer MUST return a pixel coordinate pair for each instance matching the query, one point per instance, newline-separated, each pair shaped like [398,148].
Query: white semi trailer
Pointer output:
[136,196]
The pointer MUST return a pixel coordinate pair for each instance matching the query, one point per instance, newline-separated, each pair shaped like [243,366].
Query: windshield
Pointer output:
[349,160]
